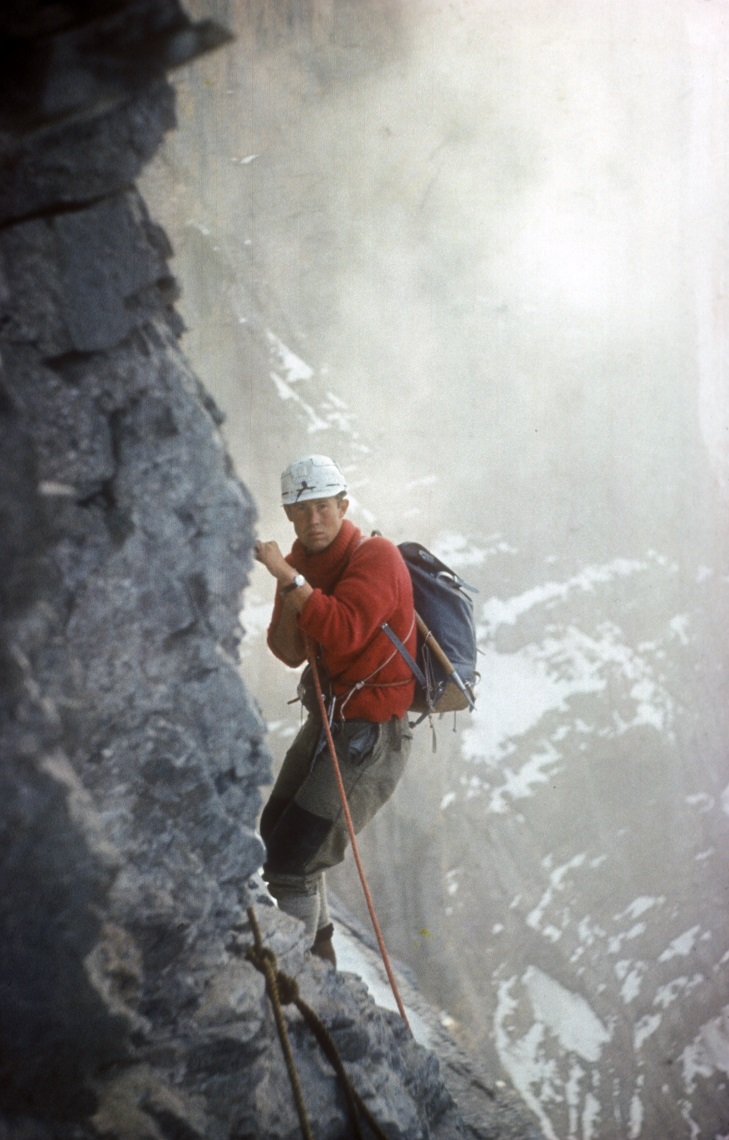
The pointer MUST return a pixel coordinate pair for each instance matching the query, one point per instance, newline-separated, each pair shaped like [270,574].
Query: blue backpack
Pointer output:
[444,666]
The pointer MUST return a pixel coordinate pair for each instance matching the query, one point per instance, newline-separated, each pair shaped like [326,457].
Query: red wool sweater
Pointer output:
[358,585]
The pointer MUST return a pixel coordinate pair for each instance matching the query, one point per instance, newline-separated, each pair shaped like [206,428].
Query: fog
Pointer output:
[478,253]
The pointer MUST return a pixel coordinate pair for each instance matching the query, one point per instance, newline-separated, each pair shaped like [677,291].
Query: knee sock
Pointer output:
[302,906]
[324,919]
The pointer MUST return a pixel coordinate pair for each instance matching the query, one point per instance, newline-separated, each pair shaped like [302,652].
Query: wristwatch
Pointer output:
[294,584]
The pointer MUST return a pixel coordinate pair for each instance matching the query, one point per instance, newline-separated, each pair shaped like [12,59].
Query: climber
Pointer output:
[334,591]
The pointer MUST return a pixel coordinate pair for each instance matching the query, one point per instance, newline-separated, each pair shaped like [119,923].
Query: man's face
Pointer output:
[317,522]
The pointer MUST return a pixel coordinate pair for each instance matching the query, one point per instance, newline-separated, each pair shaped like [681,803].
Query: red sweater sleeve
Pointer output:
[275,618]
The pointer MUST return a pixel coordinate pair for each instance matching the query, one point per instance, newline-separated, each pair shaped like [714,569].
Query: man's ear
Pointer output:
[289,513]
[343,507]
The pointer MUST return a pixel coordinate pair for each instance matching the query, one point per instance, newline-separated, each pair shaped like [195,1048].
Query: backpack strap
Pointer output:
[410,660]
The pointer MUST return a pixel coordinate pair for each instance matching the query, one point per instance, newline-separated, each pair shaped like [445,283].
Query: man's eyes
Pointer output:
[320,508]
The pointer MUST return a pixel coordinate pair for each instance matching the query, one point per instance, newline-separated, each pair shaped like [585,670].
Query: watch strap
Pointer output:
[299,580]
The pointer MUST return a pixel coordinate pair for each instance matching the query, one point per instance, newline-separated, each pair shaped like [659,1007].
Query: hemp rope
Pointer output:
[283,990]
[350,828]
[265,961]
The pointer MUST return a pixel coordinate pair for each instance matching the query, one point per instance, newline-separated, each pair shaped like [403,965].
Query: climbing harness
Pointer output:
[283,990]
[350,828]
[367,682]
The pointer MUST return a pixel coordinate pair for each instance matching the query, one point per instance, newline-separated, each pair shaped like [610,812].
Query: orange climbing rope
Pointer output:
[350,828]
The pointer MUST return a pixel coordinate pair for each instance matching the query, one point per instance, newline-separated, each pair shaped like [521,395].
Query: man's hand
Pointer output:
[269,553]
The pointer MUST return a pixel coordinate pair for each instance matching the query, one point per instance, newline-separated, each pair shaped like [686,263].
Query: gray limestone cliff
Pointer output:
[132,750]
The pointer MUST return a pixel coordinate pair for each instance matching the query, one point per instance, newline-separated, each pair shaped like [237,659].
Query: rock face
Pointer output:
[132,752]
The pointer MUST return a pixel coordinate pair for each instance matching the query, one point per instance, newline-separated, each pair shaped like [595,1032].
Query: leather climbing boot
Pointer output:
[323,946]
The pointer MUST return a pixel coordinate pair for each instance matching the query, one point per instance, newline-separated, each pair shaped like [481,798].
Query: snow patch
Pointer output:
[522,1057]
[286,392]
[644,1028]
[543,678]
[681,946]
[702,801]
[635,1126]
[556,885]
[567,1015]
[631,974]
[679,626]
[590,1117]
[527,691]
[498,612]
[708,1053]
[638,907]
[458,551]
[351,959]
[521,783]
[295,368]
[616,942]
[666,995]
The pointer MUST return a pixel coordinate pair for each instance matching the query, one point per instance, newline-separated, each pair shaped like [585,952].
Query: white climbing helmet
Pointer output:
[313,477]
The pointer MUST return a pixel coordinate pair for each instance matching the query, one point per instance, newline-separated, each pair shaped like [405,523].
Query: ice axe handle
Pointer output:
[429,639]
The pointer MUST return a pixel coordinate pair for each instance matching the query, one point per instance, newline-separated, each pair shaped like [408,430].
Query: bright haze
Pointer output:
[478,253]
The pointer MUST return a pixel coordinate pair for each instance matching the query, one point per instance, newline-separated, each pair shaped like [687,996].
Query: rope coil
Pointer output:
[283,990]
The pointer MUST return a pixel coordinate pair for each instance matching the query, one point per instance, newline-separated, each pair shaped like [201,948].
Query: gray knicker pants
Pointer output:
[303,824]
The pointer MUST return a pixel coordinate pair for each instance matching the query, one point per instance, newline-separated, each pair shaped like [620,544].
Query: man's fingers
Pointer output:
[265,551]
[261,550]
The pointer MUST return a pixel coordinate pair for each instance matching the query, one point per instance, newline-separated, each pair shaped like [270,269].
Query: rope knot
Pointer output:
[288,989]
[266,962]
[261,957]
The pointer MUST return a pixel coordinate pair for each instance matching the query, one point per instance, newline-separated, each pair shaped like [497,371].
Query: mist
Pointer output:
[478,253]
